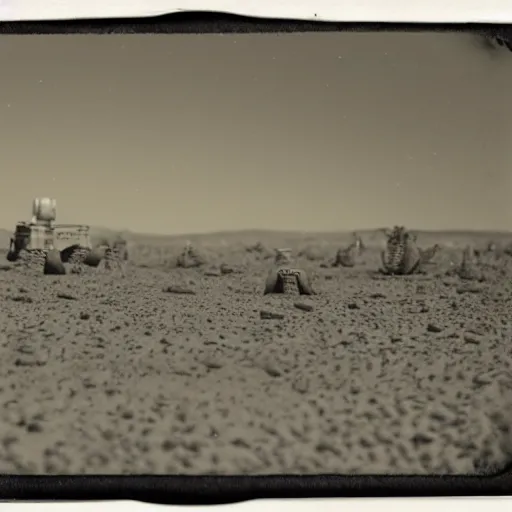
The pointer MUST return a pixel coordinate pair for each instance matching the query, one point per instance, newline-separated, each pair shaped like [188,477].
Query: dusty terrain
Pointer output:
[105,374]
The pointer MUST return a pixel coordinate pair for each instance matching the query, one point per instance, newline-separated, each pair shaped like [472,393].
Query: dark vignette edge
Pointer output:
[219,22]
[201,490]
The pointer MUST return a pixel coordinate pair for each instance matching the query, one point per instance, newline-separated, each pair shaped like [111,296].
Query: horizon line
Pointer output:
[287,231]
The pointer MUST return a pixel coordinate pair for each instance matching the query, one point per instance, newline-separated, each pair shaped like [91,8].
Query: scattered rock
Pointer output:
[434,328]
[270,315]
[180,290]
[304,306]
[66,296]
[213,272]
[226,269]
[377,295]
[421,440]
[482,379]
[269,366]
[301,385]
[22,298]
[229,269]
[471,338]
[32,358]
[353,305]
[469,288]
[211,362]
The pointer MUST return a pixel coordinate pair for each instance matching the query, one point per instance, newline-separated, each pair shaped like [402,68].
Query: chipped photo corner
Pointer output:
[255,254]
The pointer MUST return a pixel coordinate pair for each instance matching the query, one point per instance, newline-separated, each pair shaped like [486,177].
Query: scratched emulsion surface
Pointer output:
[196,354]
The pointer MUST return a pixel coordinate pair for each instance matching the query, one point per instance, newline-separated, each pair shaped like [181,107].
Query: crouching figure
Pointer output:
[283,277]
[401,256]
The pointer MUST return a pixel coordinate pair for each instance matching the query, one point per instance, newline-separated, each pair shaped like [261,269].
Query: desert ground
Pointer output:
[105,374]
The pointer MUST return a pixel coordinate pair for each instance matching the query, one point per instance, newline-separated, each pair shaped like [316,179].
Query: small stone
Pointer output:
[212,362]
[304,306]
[301,385]
[26,349]
[179,290]
[66,296]
[471,338]
[35,359]
[270,367]
[22,298]
[469,288]
[353,305]
[270,315]
[434,328]
[34,428]
[482,380]
[213,272]
[226,269]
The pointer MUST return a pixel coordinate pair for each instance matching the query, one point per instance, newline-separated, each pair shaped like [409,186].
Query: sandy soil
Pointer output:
[104,374]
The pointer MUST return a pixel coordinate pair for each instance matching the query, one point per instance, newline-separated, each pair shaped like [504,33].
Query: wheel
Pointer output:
[94,257]
[12,256]
[53,264]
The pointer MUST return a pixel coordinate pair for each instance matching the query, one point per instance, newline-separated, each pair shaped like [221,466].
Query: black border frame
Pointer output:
[201,490]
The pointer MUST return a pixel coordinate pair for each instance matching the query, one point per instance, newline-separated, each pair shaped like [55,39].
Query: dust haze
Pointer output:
[255,254]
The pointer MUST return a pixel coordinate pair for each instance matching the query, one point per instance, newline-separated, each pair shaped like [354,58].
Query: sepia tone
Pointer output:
[256,254]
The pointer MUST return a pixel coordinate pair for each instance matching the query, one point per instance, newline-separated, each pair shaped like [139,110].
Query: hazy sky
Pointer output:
[197,133]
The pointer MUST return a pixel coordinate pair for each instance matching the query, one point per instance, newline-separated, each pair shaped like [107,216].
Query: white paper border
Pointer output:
[420,11]
[392,11]
[476,504]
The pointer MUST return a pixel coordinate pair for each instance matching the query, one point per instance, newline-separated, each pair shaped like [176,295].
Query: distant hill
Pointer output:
[253,236]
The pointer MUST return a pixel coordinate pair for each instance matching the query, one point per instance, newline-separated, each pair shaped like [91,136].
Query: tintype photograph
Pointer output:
[255,254]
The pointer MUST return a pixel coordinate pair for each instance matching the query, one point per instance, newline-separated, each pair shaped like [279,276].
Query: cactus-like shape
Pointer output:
[114,259]
[358,241]
[468,268]
[189,257]
[427,255]
[112,254]
[491,247]
[347,257]
[402,256]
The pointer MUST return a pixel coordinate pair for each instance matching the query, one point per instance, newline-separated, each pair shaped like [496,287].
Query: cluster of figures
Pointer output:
[401,256]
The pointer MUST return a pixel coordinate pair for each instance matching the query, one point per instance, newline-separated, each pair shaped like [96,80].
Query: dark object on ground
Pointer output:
[94,257]
[402,256]
[179,290]
[270,315]
[304,306]
[288,281]
[53,264]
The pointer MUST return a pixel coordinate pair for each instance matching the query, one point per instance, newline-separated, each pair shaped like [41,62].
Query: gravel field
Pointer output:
[109,374]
